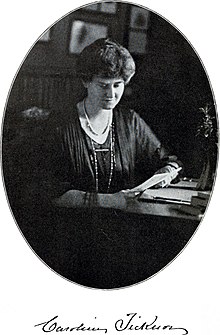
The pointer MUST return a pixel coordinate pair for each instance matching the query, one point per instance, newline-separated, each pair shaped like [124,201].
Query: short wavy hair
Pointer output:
[105,58]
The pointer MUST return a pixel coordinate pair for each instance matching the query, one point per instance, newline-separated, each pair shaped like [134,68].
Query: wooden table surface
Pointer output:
[174,195]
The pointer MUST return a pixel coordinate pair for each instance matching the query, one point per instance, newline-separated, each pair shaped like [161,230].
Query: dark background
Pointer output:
[168,89]
[107,249]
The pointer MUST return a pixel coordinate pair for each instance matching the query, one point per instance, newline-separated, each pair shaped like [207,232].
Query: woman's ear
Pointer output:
[129,78]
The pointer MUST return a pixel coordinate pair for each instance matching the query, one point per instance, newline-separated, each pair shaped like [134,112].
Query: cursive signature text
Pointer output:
[132,322]
[52,325]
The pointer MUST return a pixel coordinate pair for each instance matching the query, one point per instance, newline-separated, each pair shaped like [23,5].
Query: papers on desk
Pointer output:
[197,204]
[192,201]
[168,195]
[189,202]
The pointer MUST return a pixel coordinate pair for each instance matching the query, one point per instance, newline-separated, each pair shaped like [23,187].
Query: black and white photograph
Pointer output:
[109,155]
[109,162]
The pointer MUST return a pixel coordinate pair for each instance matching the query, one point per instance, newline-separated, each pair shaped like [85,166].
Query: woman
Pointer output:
[92,159]
[101,150]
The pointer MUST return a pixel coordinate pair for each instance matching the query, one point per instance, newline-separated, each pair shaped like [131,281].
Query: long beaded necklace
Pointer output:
[88,123]
[112,160]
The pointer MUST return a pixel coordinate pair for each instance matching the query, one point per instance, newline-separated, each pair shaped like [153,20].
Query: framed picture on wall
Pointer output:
[109,7]
[83,33]
[139,18]
[106,7]
[92,7]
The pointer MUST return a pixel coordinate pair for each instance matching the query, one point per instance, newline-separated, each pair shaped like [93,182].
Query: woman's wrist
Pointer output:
[90,199]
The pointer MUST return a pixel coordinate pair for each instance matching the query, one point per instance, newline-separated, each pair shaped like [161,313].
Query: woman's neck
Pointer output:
[98,126]
[95,112]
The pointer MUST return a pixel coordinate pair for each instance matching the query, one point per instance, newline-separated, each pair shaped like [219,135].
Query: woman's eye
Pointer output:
[118,84]
[103,85]
[106,85]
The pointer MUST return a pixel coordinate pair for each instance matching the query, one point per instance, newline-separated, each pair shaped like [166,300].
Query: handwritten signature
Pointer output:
[52,325]
[130,322]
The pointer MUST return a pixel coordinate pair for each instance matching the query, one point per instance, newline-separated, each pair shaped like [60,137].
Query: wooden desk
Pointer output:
[183,190]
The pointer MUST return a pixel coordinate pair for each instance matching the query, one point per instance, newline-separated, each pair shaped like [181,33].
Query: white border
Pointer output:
[187,292]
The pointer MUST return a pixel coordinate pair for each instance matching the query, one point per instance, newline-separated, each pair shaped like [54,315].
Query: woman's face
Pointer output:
[104,93]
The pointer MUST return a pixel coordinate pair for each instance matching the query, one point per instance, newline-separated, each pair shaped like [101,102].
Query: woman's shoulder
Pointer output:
[129,116]
[126,113]
[62,118]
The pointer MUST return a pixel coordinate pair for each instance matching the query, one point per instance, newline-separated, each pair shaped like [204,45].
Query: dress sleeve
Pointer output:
[151,155]
[51,168]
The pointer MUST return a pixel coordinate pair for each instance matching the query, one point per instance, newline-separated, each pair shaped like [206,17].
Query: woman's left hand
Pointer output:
[172,173]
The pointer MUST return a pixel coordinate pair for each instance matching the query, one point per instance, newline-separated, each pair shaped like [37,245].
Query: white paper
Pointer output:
[156,179]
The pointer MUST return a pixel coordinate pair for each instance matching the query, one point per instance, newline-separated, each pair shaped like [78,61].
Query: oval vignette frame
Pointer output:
[31,75]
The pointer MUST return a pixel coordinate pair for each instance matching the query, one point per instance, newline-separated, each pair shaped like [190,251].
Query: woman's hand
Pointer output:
[172,173]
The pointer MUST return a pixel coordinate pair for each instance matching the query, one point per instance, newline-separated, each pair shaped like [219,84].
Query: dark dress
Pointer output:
[96,248]
[67,160]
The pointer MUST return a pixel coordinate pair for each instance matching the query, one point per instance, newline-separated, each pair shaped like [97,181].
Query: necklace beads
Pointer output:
[112,160]
[88,123]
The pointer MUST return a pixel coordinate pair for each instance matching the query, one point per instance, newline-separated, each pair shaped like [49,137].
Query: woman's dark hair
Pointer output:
[105,58]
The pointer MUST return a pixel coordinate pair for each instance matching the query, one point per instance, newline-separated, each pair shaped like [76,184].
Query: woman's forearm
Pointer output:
[80,199]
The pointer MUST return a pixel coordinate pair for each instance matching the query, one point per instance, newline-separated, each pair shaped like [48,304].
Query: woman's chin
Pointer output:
[109,104]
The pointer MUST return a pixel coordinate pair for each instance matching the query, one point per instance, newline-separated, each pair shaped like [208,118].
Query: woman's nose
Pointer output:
[110,92]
